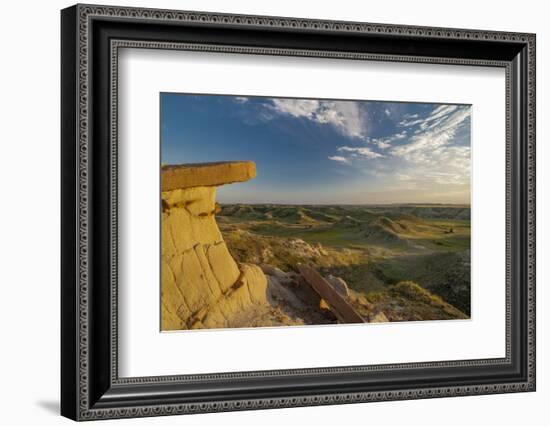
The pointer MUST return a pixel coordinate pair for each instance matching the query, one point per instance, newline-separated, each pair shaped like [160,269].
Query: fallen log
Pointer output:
[337,304]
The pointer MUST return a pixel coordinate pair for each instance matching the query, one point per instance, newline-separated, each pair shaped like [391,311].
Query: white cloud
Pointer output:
[387,112]
[361,151]
[437,113]
[438,130]
[385,143]
[423,155]
[431,156]
[296,107]
[382,144]
[430,163]
[241,99]
[339,159]
[345,116]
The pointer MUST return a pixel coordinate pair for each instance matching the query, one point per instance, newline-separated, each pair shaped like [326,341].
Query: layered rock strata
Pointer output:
[202,285]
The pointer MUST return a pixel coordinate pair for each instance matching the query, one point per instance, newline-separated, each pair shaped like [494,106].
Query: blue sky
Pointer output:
[317,151]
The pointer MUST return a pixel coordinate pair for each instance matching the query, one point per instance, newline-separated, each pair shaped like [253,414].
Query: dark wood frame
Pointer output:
[91,37]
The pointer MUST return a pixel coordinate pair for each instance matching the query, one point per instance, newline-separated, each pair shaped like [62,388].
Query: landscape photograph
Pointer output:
[308,212]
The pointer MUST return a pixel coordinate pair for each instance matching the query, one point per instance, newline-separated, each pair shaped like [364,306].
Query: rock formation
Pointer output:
[202,285]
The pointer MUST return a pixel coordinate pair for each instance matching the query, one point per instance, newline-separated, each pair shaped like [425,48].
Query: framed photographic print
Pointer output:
[263,212]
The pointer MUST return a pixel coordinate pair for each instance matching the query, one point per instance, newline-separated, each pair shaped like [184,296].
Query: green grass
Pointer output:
[408,301]
[373,248]
[446,274]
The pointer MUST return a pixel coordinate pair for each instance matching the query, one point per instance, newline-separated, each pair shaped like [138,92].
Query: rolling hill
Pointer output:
[373,248]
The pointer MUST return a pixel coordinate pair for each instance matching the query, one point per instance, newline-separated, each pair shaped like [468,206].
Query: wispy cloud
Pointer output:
[432,119]
[437,130]
[361,151]
[382,143]
[344,116]
[386,142]
[432,154]
[426,150]
[374,151]
[339,159]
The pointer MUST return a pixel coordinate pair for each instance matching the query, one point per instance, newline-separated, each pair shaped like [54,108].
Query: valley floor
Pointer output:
[405,262]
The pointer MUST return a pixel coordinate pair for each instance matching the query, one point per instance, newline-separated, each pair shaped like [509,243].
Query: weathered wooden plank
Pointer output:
[341,308]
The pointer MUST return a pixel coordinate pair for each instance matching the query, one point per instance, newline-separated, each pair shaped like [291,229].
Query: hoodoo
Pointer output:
[202,285]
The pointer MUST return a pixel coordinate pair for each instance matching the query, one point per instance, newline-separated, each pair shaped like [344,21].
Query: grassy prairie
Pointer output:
[385,252]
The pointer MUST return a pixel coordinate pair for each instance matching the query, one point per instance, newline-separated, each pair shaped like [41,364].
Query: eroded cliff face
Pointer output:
[202,285]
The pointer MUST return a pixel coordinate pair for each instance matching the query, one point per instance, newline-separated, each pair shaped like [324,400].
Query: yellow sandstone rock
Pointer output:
[255,282]
[202,285]
[206,174]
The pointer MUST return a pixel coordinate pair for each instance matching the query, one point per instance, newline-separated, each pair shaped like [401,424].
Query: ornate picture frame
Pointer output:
[91,38]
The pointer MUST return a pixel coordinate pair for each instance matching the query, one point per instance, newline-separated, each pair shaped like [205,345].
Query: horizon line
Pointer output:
[351,204]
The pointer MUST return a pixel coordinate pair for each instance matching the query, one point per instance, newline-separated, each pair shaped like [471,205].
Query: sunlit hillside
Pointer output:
[411,261]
